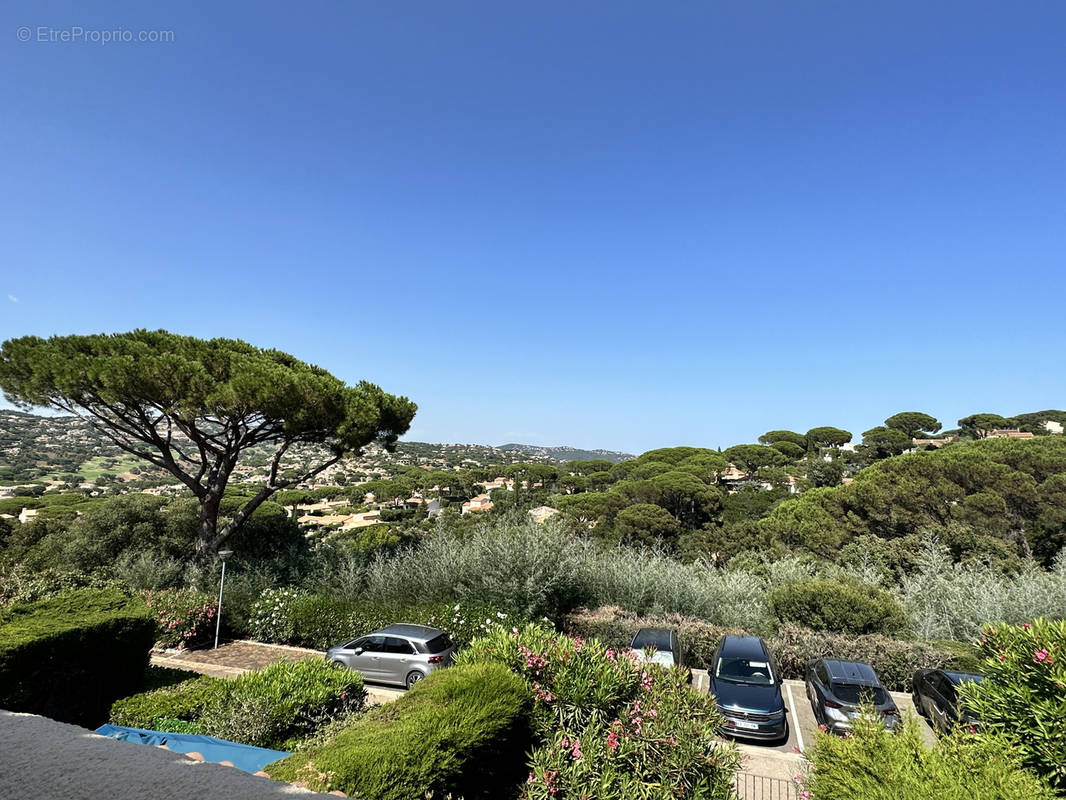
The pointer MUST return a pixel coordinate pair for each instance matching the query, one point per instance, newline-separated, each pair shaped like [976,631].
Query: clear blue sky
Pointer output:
[620,225]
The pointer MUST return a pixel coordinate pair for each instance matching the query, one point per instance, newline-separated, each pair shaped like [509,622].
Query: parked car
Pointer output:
[400,654]
[662,640]
[837,690]
[746,685]
[936,697]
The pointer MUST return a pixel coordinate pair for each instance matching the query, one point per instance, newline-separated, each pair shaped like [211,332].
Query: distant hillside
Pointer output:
[65,448]
[563,453]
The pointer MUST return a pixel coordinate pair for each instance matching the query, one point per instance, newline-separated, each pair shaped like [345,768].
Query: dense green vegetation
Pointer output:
[1025,668]
[461,732]
[276,707]
[606,726]
[70,655]
[875,764]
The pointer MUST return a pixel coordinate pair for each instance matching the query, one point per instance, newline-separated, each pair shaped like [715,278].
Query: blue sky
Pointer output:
[619,225]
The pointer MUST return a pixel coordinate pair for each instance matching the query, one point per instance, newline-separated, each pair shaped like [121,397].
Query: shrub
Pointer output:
[894,660]
[184,616]
[842,606]
[71,655]
[321,621]
[285,701]
[462,731]
[273,616]
[182,702]
[19,584]
[874,764]
[609,725]
[1023,695]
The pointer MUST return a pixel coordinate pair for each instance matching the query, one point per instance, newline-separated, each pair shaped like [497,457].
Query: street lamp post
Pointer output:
[224,555]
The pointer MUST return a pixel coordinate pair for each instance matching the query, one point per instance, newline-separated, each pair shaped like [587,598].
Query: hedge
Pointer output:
[320,621]
[282,703]
[159,709]
[844,606]
[69,656]
[894,660]
[462,732]
[875,764]
[271,707]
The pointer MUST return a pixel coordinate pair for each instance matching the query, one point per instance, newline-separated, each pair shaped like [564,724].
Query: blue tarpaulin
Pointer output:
[242,756]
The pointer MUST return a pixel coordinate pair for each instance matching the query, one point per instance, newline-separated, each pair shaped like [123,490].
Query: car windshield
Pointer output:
[664,657]
[854,694]
[743,670]
[438,644]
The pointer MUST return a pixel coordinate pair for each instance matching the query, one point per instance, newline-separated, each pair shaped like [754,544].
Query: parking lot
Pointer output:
[781,759]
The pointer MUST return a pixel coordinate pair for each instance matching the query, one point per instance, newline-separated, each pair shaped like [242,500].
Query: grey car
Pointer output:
[400,654]
[838,689]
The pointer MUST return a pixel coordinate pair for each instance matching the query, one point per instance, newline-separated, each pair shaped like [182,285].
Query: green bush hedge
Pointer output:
[462,732]
[271,707]
[320,621]
[283,702]
[838,605]
[874,764]
[894,660]
[182,702]
[71,655]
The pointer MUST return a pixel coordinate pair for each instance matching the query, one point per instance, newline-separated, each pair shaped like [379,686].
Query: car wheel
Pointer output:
[917,698]
[413,678]
[338,664]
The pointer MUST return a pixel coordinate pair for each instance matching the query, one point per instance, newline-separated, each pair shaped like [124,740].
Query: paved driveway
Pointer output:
[235,658]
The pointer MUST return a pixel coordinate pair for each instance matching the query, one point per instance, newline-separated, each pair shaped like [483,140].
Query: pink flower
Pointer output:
[1042,656]
[611,655]
[612,740]
[805,795]
[1026,626]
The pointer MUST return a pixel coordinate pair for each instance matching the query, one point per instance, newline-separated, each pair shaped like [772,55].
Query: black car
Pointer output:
[747,687]
[663,644]
[936,697]
[838,689]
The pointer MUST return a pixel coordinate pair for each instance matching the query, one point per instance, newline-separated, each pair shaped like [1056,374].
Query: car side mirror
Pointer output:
[359,651]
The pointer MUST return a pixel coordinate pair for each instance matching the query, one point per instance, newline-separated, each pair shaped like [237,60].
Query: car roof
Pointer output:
[962,677]
[421,633]
[735,646]
[851,672]
[660,637]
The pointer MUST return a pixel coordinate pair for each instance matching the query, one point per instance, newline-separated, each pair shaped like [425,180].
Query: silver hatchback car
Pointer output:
[400,654]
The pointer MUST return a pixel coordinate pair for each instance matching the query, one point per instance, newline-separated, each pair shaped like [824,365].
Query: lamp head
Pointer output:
[225,554]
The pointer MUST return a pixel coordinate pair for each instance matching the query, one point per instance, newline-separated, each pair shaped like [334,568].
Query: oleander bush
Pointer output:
[158,709]
[875,764]
[286,701]
[462,732]
[1023,695]
[69,656]
[837,604]
[894,660]
[609,725]
[184,617]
